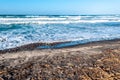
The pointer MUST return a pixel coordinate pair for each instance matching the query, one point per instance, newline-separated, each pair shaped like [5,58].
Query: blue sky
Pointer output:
[59,7]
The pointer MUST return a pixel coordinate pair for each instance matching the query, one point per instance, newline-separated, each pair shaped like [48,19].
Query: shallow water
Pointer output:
[16,31]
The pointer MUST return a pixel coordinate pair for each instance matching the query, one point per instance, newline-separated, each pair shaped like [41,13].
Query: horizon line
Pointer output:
[53,14]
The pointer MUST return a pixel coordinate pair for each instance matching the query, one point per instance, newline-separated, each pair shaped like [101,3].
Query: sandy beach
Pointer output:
[59,40]
[91,61]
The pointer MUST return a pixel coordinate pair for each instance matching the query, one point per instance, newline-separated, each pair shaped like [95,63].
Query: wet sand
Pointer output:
[91,61]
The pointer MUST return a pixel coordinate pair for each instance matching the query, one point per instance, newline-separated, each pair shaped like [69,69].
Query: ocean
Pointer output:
[19,30]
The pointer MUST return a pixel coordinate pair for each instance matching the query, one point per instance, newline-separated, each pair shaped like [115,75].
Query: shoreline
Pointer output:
[30,51]
[54,45]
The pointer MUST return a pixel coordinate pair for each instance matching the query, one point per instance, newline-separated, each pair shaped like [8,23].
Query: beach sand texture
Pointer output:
[92,61]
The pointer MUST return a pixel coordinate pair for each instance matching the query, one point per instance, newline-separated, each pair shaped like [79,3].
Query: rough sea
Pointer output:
[19,30]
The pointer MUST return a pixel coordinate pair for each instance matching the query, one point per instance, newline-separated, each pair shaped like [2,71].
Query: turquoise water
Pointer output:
[19,30]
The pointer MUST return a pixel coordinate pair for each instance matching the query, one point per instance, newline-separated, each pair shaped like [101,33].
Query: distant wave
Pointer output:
[16,31]
[56,20]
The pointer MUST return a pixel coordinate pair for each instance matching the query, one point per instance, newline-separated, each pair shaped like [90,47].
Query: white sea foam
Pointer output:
[19,31]
[57,22]
[61,19]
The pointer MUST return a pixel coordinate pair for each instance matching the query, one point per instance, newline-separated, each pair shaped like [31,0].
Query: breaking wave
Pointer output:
[58,19]
[16,31]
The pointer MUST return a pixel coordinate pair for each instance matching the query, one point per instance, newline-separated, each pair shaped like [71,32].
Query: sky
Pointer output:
[59,7]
